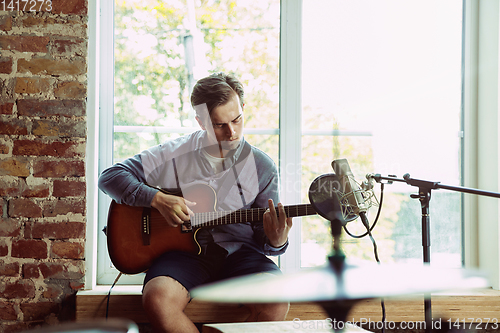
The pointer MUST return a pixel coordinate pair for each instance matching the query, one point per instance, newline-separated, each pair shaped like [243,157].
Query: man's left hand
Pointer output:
[276,225]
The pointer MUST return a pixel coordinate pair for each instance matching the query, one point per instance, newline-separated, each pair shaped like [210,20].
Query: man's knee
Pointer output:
[268,311]
[164,292]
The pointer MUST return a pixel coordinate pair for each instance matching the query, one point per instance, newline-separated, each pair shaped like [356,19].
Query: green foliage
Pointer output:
[151,78]
[152,86]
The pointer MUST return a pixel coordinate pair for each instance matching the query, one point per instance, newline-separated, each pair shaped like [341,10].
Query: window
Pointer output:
[381,86]
[362,84]
[161,49]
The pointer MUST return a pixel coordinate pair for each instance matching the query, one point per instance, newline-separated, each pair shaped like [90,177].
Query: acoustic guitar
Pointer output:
[136,236]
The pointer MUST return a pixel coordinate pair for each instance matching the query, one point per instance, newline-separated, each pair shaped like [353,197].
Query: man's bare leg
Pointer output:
[268,311]
[164,300]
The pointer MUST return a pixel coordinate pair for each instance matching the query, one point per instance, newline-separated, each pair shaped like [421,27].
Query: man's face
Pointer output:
[227,122]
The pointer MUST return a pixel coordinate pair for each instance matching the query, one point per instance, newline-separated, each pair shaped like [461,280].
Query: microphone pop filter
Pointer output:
[324,194]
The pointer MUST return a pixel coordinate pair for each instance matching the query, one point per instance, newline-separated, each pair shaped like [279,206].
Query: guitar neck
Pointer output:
[217,218]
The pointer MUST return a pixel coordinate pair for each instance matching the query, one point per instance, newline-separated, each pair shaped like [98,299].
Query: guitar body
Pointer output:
[137,236]
[127,246]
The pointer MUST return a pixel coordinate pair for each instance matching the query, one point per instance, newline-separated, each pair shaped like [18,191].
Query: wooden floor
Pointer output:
[279,327]
[466,307]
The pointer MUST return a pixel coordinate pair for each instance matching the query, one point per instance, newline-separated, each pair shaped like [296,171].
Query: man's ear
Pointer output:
[200,123]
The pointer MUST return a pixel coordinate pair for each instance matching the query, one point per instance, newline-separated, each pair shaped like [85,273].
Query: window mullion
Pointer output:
[290,121]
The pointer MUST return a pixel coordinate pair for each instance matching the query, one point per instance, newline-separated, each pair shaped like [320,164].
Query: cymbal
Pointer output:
[351,282]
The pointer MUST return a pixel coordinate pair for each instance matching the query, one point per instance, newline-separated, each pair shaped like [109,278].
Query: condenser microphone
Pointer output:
[352,192]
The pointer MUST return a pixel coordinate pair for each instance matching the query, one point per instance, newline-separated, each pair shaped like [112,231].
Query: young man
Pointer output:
[241,177]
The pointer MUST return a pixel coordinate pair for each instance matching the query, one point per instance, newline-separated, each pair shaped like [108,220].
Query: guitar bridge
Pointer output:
[146,226]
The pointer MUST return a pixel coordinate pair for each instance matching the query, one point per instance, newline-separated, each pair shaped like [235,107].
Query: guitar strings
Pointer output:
[215,218]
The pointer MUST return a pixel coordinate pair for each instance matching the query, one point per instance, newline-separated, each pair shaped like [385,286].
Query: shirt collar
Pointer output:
[232,156]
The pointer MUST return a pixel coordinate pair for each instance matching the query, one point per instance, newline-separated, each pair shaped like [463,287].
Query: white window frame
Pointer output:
[92,149]
[481,140]
[480,144]
[291,124]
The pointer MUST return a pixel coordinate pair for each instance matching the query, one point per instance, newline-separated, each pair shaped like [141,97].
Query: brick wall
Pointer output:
[43,75]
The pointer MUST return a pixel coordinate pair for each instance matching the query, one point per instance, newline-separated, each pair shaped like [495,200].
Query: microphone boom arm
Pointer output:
[424,184]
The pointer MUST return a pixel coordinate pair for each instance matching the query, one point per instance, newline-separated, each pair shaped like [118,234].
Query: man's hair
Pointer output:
[215,90]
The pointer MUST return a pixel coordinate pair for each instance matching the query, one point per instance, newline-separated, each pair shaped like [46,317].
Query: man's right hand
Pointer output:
[173,208]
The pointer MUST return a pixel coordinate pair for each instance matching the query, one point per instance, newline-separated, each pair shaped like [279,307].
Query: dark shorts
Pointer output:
[192,270]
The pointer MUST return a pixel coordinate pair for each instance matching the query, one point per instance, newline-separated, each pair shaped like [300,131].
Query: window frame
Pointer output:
[480,147]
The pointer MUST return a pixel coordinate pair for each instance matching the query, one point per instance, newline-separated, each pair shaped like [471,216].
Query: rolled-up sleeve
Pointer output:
[124,182]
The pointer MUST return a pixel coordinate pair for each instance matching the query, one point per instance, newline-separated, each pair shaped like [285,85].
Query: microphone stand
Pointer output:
[337,309]
[424,195]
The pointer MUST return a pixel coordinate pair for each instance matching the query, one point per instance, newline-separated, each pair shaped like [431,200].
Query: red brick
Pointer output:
[69,188]
[4,149]
[31,271]
[14,166]
[4,249]
[18,289]
[71,270]
[69,47]
[7,108]
[13,127]
[28,226]
[70,90]
[5,65]
[39,148]
[38,311]
[36,191]
[29,248]
[24,208]
[36,22]
[10,187]
[9,227]
[7,311]
[63,207]
[67,250]
[59,230]
[6,23]
[51,66]
[53,24]
[9,268]
[47,108]
[52,291]
[76,285]
[24,43]
[62,128]
[76,7]
[59,169]
[32,85]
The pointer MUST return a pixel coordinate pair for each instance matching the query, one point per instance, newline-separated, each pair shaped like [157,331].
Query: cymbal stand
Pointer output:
[337,310]
[424,195]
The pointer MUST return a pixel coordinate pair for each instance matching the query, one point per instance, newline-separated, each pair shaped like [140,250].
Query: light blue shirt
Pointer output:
[249,178]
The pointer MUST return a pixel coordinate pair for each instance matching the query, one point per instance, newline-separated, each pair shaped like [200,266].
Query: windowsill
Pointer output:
[117,290]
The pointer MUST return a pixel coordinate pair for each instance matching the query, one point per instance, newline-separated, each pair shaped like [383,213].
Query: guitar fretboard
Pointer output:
[211,219]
